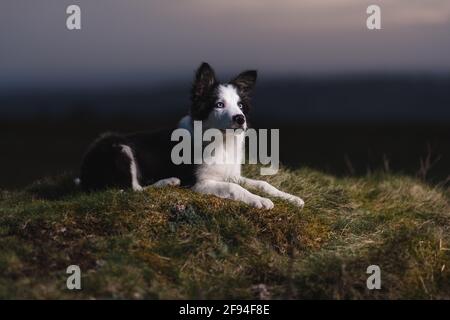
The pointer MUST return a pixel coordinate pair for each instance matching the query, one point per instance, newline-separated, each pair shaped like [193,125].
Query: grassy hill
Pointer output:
[172,243]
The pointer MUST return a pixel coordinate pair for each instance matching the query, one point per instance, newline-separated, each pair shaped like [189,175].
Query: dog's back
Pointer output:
[130,161]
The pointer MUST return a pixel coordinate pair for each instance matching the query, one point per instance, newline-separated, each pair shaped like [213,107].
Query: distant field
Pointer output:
[38,147]
[171,243]
[349,124]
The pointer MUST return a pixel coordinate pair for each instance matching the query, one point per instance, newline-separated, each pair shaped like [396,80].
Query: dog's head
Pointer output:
[221,105]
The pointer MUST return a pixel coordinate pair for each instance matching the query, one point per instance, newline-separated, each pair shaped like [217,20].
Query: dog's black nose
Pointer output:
[239,119]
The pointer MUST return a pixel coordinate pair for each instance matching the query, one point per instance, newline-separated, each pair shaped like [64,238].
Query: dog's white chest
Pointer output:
[225,163]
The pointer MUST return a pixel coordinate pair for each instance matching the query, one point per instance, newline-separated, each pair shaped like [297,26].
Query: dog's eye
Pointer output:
[240,105]
[220,105]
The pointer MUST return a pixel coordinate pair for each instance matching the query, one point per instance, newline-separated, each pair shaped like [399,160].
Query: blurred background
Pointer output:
[347,100]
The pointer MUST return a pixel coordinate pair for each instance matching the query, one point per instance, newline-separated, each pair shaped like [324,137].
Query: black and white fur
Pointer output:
[143,159]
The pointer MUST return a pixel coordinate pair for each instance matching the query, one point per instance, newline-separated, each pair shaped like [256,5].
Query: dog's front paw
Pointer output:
[296,201]
[173,182]
[262,203]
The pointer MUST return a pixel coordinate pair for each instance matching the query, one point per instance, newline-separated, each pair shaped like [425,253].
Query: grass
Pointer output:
[171,243]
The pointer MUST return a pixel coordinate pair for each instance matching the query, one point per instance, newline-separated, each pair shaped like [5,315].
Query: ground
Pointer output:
[171,243]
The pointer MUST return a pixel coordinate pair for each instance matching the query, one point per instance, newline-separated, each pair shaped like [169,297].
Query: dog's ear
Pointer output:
[204,80]
[245,81]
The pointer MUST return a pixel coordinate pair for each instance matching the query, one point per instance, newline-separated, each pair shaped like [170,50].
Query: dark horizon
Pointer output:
[369,98]
[152,81]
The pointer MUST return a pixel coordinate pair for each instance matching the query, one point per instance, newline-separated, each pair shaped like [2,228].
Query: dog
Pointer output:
[140,160]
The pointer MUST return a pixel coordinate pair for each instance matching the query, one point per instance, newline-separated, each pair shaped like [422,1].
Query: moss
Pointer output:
[171,243]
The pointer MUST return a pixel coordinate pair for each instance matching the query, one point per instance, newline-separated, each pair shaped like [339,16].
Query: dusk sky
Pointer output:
[123,42]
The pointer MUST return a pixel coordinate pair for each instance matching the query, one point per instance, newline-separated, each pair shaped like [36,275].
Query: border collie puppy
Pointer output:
[144,159]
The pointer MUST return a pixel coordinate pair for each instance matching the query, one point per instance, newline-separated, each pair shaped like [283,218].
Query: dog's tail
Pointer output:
[77,182]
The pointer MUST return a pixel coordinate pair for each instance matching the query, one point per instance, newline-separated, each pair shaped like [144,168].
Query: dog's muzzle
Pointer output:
[239,119]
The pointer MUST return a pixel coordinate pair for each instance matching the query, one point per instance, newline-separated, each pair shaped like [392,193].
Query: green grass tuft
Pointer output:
[171,243]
